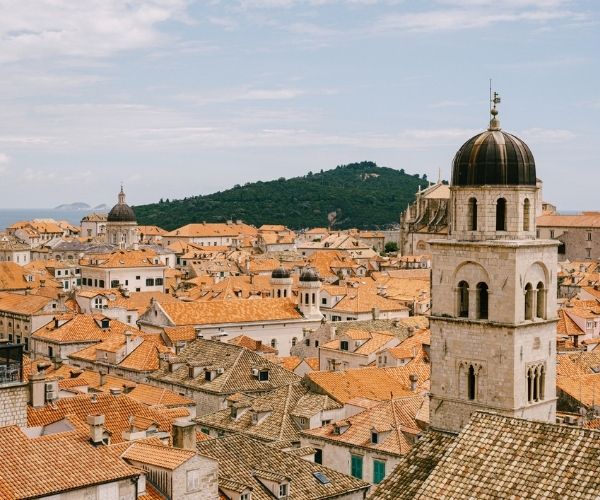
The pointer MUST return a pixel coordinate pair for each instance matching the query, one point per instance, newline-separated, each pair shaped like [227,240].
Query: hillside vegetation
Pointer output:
[360,195]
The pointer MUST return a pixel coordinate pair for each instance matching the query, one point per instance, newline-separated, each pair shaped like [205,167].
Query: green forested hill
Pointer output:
[360,195]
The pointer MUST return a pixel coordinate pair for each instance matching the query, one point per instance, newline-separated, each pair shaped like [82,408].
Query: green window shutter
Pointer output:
[378,471]
[356,466]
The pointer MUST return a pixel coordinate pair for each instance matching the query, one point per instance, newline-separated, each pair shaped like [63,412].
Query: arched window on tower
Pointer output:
[541,301]
[526,214]
[528,301]
[501,215]
[472,214]
[536,381]
[471,380]
[482,301]
[278,293]
[463,299]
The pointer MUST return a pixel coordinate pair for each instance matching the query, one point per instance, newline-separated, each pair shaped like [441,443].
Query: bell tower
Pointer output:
[493,315]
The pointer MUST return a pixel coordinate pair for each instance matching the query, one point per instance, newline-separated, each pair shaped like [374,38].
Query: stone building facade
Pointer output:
[493,344]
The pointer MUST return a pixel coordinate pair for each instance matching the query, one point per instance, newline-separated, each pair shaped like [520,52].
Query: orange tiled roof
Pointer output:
[123,259]
[158,455]
[371,382]
[394,419]
[50,464]
[116,409]
[253,345]
[233,311]
[23,304]
[81,328]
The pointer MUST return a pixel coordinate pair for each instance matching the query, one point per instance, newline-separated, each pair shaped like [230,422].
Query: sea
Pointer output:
[8,216]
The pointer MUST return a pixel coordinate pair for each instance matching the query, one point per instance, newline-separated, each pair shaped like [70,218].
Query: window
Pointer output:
[526,214]
[472,214]
[589,236]
[193,480]
[158,281]
[283,490]
[378,471]
[274,343]
[528,301]
[149,281]
[318,456]
[482,301]
[50,352]
[294,340]
[344,345]
[208,375]
[501,215]
[324,301]
[245,496]
[356,466]
[374,437]
[263,375]
[551,233]
[101,283]
[536,381]
[138,277]
[114,284]
[471,380]
[307,342]
[463,299]
[541,301]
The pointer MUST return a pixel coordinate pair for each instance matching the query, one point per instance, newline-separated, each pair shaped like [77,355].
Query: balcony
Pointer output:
[11,363]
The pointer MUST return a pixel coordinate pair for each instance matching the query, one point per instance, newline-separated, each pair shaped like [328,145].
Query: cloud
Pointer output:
[548,135]
[243,94]
[96,28]
[471,18]
[4,159]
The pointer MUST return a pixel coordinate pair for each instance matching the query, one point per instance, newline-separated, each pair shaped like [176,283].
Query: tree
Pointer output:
[391,246]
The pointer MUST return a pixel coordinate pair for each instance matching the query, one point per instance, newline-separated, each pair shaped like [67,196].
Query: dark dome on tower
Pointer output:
[280,273]
[309,274]
[121,212]
[495,158]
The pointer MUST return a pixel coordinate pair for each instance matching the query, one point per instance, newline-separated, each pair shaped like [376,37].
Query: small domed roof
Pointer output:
[492,158]
[280,273]
[121,212]
[309,274]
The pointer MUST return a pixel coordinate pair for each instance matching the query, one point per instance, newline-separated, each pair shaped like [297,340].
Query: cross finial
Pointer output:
[494,100]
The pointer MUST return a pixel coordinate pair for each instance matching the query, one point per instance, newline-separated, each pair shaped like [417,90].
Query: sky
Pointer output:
[176,98]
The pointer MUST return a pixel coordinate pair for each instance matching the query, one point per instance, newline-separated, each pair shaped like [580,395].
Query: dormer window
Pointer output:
[374,437]
[105,323]
[344,345]
[283,490]
[263,375]
[209,375]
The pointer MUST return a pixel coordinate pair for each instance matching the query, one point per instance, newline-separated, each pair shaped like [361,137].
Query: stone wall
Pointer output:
[13,404]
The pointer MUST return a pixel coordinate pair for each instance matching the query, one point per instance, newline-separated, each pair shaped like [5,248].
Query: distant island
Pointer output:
[80,206]
[361,195]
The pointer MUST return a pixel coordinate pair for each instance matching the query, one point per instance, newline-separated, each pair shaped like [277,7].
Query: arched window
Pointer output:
[285,292]
[463,299]
[529,384]
[526,215]
[536,381]
[314,299]
[501,215]
[471,392]
[278,293]
[306,299]
[541,301]
[528,301]
[542,381]
[482,300]
[473,214]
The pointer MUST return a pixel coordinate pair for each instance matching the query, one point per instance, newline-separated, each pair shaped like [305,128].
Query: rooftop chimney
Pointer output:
[128,343]
[115,391]
[98,434]
[413,381]
[184,435]
[102,374]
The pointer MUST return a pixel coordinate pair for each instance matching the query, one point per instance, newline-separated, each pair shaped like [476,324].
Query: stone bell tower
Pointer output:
[493,340]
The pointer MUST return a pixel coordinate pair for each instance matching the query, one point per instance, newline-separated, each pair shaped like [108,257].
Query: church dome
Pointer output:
[309,275]
[495,158]
[121,212]
[280,273]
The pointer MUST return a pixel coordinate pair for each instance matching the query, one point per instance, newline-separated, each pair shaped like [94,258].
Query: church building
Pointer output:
[493,290]
[121,224]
